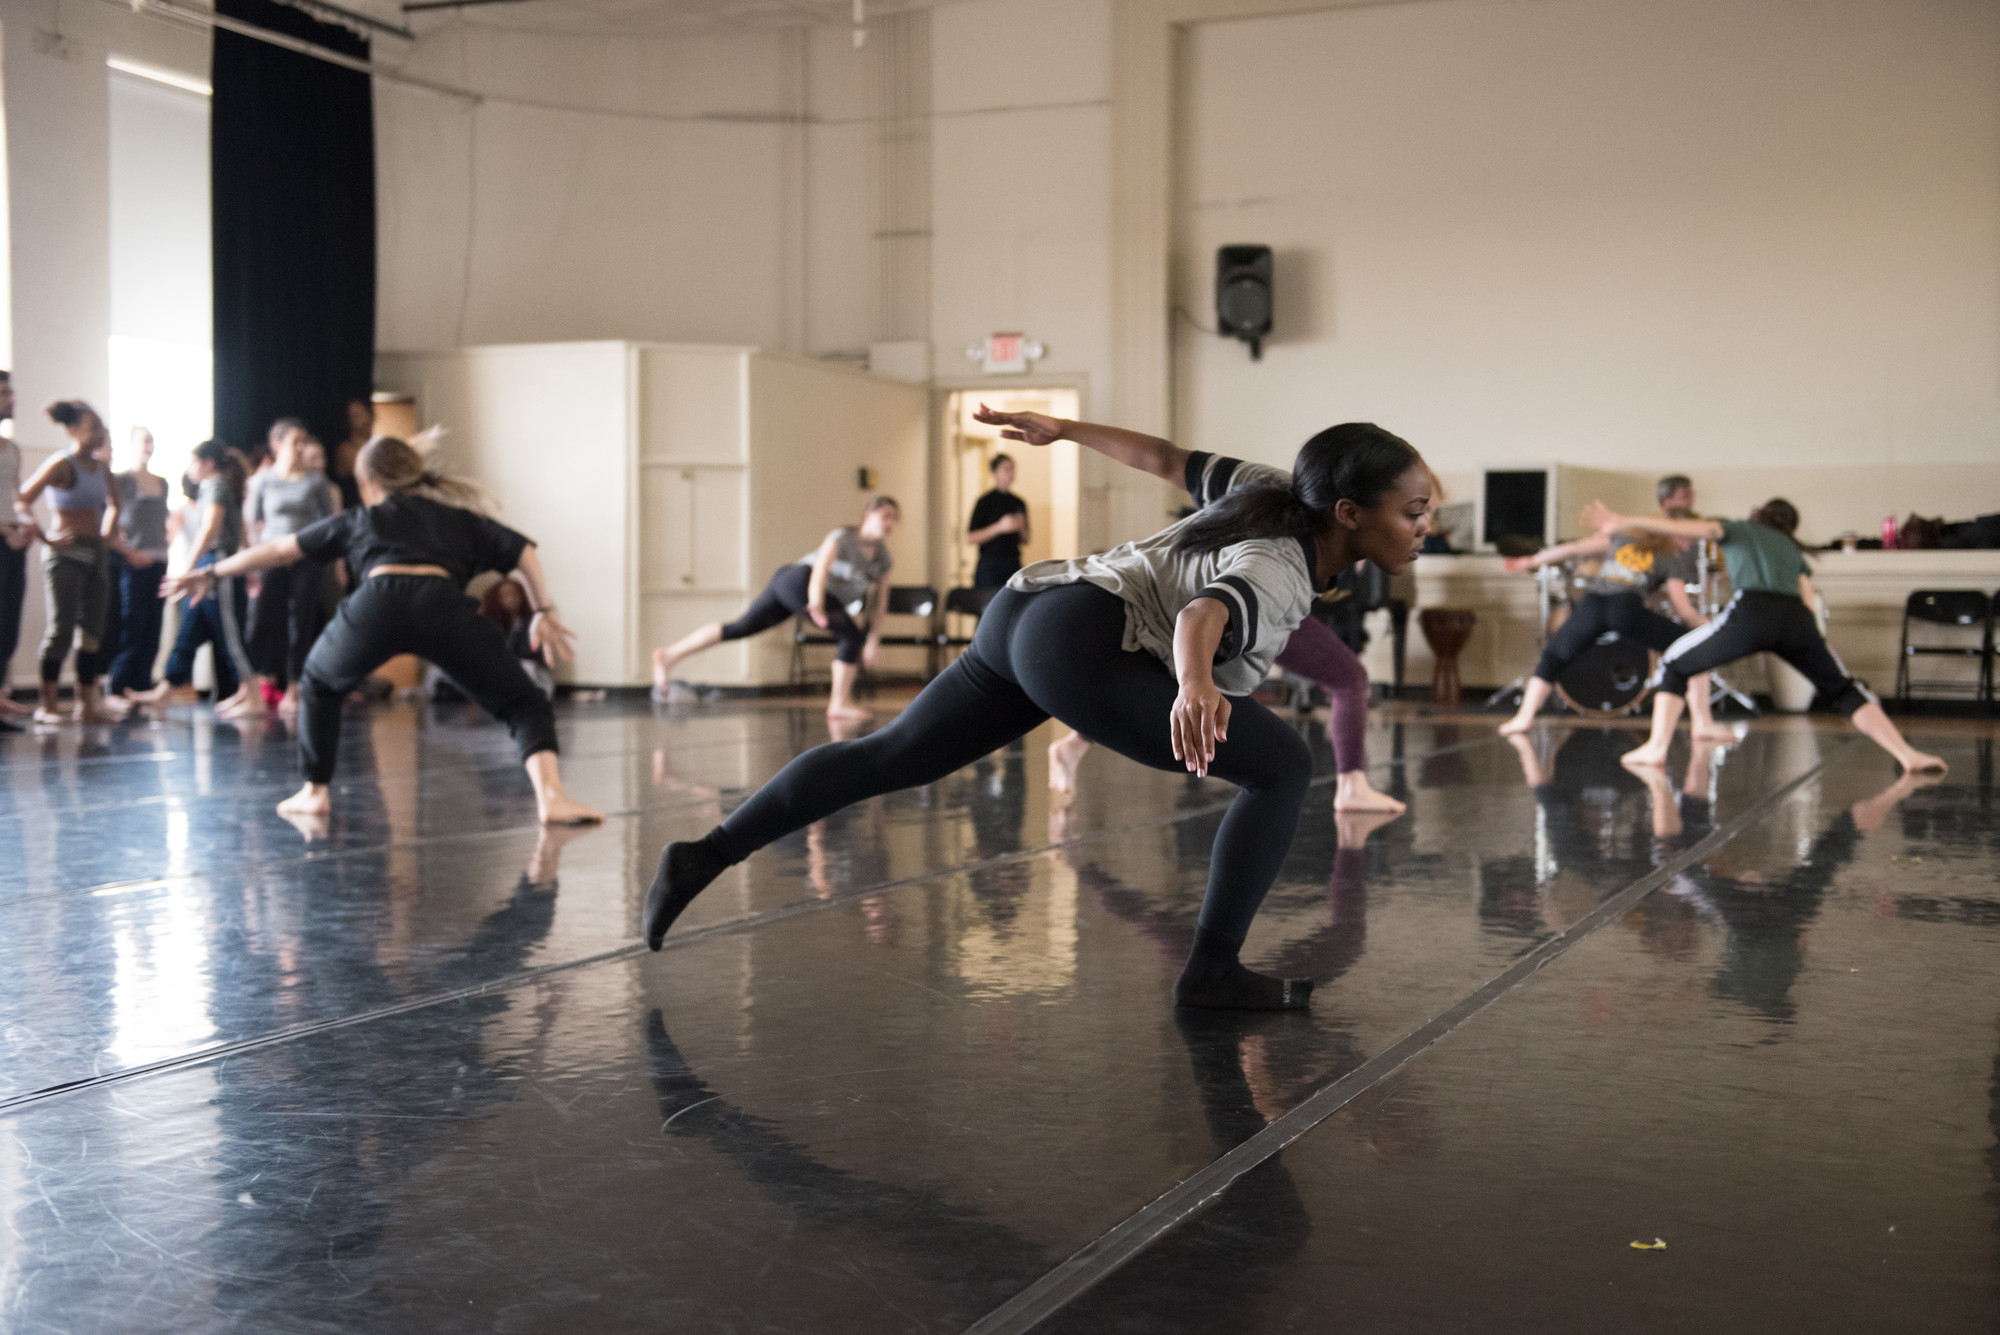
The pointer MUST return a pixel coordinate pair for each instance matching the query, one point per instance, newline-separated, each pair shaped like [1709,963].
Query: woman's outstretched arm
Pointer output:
[1605,520]
[264,556]
[547,636]
[1562,551]
[1135,449]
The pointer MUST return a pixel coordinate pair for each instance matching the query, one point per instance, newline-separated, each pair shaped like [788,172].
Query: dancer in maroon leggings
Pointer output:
[1314,651]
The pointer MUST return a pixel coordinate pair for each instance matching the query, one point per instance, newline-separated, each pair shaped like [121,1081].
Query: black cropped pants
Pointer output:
[1059,652]
[1597,615]
[784,598]
[1759,622]
[432,618]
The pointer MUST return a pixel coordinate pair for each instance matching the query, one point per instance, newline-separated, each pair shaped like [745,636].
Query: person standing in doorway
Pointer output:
[17,534]
[999,527]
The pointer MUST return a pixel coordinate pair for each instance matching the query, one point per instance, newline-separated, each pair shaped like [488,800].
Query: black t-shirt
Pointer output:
[414,531]
[991,509]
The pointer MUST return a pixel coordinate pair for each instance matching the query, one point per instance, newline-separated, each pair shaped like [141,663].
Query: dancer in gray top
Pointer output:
[290,610]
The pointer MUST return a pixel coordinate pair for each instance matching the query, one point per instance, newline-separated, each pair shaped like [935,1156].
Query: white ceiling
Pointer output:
[655,16]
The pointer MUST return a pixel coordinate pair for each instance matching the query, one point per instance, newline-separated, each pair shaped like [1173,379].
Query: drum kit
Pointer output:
[1611,679]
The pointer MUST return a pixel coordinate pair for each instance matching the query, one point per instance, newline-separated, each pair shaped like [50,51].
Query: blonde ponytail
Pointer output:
[400,469]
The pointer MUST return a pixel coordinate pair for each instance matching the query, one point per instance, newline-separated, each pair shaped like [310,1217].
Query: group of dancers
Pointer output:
[1151,648]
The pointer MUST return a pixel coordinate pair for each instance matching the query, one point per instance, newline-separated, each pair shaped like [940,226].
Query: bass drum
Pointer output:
[1607,680]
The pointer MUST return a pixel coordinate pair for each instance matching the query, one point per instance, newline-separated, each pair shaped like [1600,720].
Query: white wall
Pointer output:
[58,199]
[1650,234]
[1022,240]
[714,187]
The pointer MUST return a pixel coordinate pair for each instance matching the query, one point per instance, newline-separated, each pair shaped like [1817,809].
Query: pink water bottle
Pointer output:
[1888,533]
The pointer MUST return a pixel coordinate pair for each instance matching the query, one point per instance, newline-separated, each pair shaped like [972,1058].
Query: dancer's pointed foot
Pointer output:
[663,666]
[51,718]
[1721,734]
[1215,980]
[561,809]
[1235,988]
[1353,792]
[312,799]
[1517,725]
[1921,762]
[1064,756]
[849,714]
[685,871]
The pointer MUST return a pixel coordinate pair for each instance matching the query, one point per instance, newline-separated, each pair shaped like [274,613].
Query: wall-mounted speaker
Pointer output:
[1243,294]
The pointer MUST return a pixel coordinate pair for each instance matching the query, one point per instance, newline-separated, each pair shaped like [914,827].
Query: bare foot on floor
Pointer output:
[50,718]
[1645,755]
[1517,725]
[311,800]
[1720,733]
[662,667]
[1355,793]
[1064,756]
[850,714]
[1920,762]
[567,811]
[1352,828]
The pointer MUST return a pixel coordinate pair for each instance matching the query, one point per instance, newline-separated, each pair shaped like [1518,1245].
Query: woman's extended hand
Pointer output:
[551,639]
[194,584]
[818,614]
[1200,720]
[1030,428]
[1602,518]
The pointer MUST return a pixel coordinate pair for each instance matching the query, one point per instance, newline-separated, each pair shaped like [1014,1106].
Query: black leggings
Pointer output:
[433,619]
[1057,652]
[1598,614]
[1760,622]
[784,598]
[285,620]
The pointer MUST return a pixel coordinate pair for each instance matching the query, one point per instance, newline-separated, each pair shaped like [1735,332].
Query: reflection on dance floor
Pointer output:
[408,1071]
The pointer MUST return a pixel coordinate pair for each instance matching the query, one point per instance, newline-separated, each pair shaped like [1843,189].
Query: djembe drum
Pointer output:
[1446,630]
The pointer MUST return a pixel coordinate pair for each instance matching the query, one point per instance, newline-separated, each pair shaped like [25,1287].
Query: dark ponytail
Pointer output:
[70,412]
[1781,515]
[225,461]
[1355,461]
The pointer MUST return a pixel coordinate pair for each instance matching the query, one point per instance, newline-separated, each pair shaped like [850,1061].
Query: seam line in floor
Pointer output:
[1097,1259]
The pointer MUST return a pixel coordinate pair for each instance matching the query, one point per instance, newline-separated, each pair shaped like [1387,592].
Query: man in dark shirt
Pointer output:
[999,526]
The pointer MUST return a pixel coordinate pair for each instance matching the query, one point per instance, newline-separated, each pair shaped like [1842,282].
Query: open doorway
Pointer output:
[1045,479]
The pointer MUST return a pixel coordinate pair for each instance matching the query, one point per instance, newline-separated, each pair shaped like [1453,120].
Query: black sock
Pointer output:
[684,872]
[1214,980]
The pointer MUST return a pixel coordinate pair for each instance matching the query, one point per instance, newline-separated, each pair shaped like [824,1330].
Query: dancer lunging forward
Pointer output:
[847,574]
[1770,612]
[1634,565]
[410,547]
[1151,648]
[1314,651]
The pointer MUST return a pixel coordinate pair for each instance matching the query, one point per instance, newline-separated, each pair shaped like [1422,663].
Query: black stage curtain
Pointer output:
[292,182]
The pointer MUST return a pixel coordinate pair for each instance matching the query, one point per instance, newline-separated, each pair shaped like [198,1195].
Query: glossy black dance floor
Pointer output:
[914,1070]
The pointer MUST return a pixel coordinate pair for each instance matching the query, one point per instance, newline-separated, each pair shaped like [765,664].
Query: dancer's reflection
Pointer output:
[1766,920]
[1595,824]
[313,1210]
[952,1244]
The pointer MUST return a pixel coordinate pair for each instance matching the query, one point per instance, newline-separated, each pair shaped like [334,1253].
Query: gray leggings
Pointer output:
[78,582]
